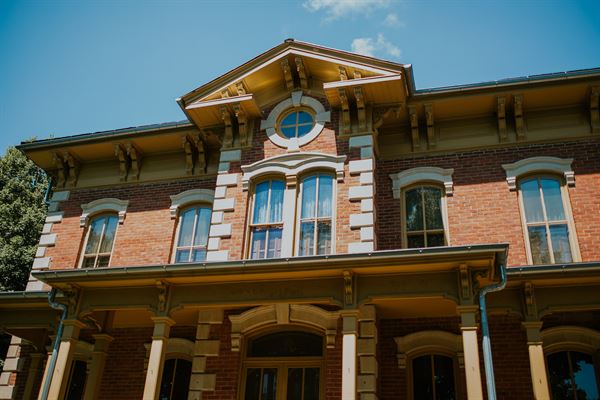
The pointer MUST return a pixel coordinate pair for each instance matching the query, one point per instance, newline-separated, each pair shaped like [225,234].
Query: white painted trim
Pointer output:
[555,165]
[103,205]
[183,199]
[422,174]
[297,100]
[216,102]
[418,343]
[294,164]
[361,81]
[568,337]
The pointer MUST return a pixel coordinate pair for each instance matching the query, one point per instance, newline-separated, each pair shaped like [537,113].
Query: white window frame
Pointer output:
[177,229]
[443,209]
[87,237]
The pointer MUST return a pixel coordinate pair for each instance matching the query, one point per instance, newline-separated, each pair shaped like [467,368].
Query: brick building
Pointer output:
[318,228]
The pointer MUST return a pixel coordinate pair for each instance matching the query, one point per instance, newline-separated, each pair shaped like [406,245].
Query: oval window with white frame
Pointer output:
[295,121]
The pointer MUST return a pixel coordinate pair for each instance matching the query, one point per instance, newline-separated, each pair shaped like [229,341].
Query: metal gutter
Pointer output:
[273,265]
[529,271]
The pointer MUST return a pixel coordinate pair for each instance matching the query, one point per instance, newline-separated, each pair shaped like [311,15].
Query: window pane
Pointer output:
[274,249]
[166,383]
[560,244]
[276,212]
[77,381]
[289,132]
[286,344]
[94,237]
[309,190]
[422,382]
[102,261]
[415,241]
[202,227]
[414,210]
[186,225]
[289,120]
[444,378]
[109,234]
[260,203]
[539,245]
[324,237]
[584,375]
[307,238]
[294,384]
[181,383]
[433,209]
[435,240]
[559,376]
[182,256]
[303,130]
[325,195]
[553,199]
[269,384]
[252,391]
[304,117]
[198,255]
[532,201]
[258,243]
[88,262]
[311,383]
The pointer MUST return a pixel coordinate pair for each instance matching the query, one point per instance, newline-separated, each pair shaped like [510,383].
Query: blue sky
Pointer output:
[70,67]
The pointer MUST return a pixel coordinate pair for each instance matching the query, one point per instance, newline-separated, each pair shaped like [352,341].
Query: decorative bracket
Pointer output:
[129,158]
[163,292]
[431,142]
[241,89]
[502,119]
[135,158]
[67,168]
[345,106]
[243,126]
[287,74]
[193,147]
[519,119]
[71,294]
[595,109]
[348,288]
[121,155]
[343,74]
[466,288]
[414,127]
[360,108]
[228,135]
[302,73]
[530,303]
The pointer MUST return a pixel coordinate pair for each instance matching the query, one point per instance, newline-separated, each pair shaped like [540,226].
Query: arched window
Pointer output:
[433,378]
[192,234]
[315,215]
[296,123]
[175,381]
[423,217]
[546,220]
[267,219]
[284,365]
[572,376]
[99,241]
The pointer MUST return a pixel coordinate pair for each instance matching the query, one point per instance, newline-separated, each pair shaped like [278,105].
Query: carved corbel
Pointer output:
[414,127]
[61,170]
[360,108]
[357,74]
[287,74]
[241,89]
[302,73]
[348,288]
[135,159]
[228,134]
[71,294]
[595,109]
[291,180]
[121,155]
[343,74]
[193,148]
[529,299]
[431,142]
[502,119]
[466,288]
[188,149]
[73,168]
[242,119]
[163,292]
[225,93]
[345,108]
[519,119]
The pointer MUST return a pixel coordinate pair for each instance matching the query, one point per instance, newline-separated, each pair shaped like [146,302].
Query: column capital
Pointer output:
[102,340]
[533,329]
[350,323]
[162,327]
[468,317]
[71,329]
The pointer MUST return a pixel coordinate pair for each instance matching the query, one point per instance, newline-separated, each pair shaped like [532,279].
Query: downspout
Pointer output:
[59,331]
[48,191]
[487,348]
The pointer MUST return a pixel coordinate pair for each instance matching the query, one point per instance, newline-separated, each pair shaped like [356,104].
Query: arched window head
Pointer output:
[192,234]
[266,225]
[424,220]
[99,241]
[528,166]
[316,215]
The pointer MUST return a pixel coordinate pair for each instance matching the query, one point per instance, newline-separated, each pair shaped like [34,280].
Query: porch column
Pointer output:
[349,331]
[60,377]
[32,374]
[96,365]
[46,366]
[162,327]
[468,327]
[537,361]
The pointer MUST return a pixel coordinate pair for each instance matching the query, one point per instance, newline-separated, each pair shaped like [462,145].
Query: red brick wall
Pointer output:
[483,210]
[146,235]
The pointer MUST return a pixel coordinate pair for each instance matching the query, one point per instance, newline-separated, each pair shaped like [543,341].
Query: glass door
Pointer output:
[283,383]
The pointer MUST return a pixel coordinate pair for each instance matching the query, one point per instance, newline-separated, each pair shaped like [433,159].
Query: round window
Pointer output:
[296,124]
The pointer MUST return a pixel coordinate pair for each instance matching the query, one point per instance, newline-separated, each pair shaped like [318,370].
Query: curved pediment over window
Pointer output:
[103,205]
[422,174]
[292,165]
[559,166]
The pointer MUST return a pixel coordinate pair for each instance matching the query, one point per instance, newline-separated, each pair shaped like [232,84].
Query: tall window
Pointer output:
[546,222]
[433,378]
[193,228]
[316,210]
[267,220]
[424,222]
[99,241]
[175,381]
[572,376]
[77,380]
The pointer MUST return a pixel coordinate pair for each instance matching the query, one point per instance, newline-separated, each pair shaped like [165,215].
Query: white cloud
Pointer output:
[371,46]
[335,9]
[392,21]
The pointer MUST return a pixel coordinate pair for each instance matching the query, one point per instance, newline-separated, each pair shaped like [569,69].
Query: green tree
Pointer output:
[22,212]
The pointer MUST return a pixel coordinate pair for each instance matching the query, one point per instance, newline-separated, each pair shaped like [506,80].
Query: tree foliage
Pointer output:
[22,212]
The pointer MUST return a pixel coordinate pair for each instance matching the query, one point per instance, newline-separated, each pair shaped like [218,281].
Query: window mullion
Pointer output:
[547,225]
[104,223]
[316,239]
[423,216]
[433,376]
[193,235]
